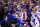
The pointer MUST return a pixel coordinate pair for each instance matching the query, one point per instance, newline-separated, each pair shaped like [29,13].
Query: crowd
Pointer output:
[17,13]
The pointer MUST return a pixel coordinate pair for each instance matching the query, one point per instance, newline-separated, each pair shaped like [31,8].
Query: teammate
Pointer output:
[35,19]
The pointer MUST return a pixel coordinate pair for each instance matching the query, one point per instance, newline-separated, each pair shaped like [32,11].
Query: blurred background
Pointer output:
[14,12]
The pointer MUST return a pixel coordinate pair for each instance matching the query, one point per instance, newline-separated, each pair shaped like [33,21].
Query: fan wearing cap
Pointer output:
[5,18]
[19,8]
[5,11]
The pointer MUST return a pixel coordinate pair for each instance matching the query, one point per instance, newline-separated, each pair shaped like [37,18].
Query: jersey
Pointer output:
[23,16]
[35,19]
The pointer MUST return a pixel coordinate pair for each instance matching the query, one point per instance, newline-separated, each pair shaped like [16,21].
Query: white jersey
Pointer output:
[35,19]
[23,16]
[37,6]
